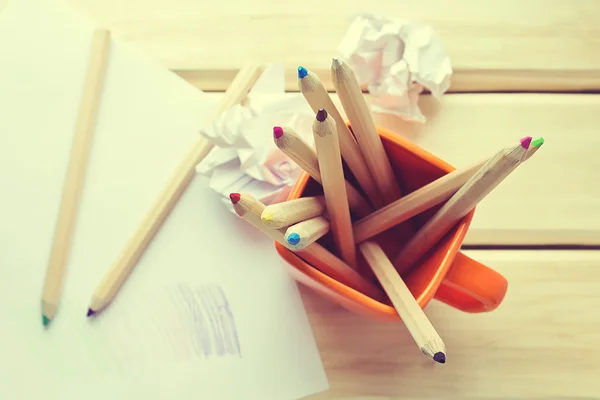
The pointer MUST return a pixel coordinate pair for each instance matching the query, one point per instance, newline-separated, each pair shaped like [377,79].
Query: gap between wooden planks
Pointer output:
[554,198]
[511,45]
[542,342]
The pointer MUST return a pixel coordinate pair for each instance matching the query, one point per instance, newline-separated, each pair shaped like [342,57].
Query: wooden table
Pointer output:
[537,57]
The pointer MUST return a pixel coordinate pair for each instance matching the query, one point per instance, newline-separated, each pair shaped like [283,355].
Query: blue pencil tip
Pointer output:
[302,72]
[293,239]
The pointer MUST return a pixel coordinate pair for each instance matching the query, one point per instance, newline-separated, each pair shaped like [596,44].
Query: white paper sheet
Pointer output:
[397,60]
[209,312]
[245,158]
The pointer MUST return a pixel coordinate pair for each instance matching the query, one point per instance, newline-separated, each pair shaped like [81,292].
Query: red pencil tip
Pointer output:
[234,197]
[277,132]
[321,115]
[526,141]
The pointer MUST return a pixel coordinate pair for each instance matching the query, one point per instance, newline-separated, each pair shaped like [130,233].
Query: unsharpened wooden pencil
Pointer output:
[286,213]
[80,149]
[332,174]
[291,144]
[424,334]
[168,198]
[306,232]
[317,97]
[250,209]
[461,203]
[363,126]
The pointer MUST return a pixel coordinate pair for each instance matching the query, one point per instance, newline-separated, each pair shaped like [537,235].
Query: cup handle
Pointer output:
[471,286]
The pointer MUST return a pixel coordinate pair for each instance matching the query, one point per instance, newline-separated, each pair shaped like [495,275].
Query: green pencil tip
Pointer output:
[537,142]
[45,320]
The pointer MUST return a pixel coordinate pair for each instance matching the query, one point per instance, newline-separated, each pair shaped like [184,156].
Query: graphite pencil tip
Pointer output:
[293,238]
[439,357]
[45,320]
[321,115]
[537,142]
[234,197]
[302,72]
[525,142]
[90,312]
[277,132]
[336,63]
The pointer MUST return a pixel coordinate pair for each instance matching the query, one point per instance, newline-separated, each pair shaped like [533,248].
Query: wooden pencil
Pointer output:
[422,199]
[316,255]
[317,97]
[424,334]
[286,213]
[306,232]
[168,198]
[290,143]
[464,200]
[363,126]
[332,175]
[80,149]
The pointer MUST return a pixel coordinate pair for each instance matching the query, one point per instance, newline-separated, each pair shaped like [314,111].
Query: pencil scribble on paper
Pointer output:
[207,314]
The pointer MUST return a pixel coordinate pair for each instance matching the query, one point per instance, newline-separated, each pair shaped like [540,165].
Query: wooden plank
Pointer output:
[541,343]
[553,199]
[513,44]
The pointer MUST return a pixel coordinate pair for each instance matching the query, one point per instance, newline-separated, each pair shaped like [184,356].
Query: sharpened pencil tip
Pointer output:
[302,72]
[321,115]
[293,239]
[277,132]
[439,357]
[234,197]
[90,312]
[525,142]
[266,217]
[537,142]
[45,320]
[336,63]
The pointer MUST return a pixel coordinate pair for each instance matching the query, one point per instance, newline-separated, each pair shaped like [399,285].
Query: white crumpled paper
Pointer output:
[245,158]
[397,60]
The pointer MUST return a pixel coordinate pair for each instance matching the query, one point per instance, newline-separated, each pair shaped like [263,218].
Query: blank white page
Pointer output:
[208,312]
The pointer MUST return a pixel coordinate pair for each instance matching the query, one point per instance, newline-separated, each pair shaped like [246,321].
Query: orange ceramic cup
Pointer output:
[444,273]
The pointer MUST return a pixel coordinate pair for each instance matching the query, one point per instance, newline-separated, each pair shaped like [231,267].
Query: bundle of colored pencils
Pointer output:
[375,199]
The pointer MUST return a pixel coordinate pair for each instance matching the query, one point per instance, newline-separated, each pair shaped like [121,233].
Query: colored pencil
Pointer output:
[464,200]
[306,232]
[332,174]
[286,213]
[168,198]
[364,129]
[317,97]
[316,255]
[80,149]
[290,143]
[424,334]
[421,199]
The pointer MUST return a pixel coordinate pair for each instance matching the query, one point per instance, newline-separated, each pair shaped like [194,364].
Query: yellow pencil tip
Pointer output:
[266,217]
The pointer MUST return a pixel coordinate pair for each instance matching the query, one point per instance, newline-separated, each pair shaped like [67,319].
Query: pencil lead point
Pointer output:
[277,132]
[293,239]
[234,197]
[537,142]
[266,217]
[90,312]
[336,63]
[302,72]
[45,320]
[321,115]
[439,357]
[525,142]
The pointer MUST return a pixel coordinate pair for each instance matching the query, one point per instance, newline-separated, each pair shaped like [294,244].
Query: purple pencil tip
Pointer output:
[321,115]
[526,141]
[439,357]
[90,312]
